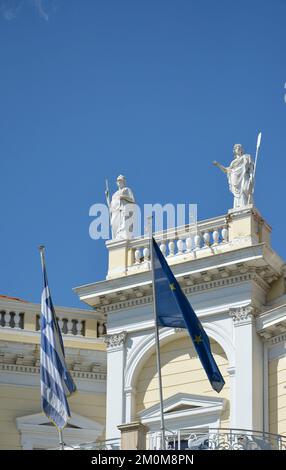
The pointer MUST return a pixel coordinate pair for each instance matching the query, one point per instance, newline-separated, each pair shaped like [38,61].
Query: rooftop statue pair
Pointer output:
[240,175]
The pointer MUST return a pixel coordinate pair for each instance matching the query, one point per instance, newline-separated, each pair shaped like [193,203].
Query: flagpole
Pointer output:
[43,261]
[42,254]
[158,357]
[61,439]
[255,163]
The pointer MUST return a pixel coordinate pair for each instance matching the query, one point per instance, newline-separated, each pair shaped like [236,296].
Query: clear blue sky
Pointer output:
[153,89]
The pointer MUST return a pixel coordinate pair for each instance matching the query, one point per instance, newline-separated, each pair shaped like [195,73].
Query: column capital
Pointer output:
[116,340]
[243,314]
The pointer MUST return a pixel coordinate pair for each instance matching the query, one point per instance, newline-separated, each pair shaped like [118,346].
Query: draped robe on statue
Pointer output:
[240,179]
[120,212]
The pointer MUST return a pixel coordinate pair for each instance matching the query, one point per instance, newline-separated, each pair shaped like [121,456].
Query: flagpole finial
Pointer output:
[41,248]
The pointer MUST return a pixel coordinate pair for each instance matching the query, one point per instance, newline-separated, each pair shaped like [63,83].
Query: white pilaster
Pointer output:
[130,397]
[248,383]
[115,383]
[231,374]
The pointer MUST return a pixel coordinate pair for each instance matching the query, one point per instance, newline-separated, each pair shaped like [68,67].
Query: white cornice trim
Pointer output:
[186,268]
[272,322]
[200,287]
[203,315]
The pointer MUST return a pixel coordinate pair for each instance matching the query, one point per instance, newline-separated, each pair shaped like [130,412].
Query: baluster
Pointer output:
[180,245]
[189,244]
[79,328]
[146,253]
[206,237]
[137,255]
[171,248]
[215,237]
[61,325]
[197,240]
[163,248]
[7,318]
[70,327]
[17,319]
[224,234]
[101,329]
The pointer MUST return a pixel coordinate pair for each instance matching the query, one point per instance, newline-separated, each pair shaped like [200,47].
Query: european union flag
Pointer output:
[174,310]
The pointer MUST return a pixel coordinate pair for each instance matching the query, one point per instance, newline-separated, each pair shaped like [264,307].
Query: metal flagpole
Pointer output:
[163,441]
[42,254]
[43,261]
[61,439]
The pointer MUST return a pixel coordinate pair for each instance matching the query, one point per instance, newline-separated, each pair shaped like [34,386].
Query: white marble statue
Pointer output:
[120,210]
[240,175]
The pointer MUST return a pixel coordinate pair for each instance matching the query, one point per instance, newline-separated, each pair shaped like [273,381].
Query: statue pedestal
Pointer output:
[248,224]
[241,210]
[117,258]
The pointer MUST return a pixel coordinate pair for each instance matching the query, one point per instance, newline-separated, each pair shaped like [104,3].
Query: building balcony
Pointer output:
[201,439]
[218,439]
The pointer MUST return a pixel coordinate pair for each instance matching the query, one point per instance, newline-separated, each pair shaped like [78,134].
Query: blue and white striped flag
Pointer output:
[56,381]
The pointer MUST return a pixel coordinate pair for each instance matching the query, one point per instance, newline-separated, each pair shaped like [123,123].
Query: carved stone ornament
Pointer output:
[116,340]
[241,313]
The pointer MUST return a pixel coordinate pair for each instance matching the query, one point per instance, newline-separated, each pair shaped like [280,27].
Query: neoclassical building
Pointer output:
[235,282]
[22,424]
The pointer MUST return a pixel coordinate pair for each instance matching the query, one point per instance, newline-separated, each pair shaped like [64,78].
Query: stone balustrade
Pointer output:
[182,240]
[75,327]
[69,325]
[11,319]
[210,237]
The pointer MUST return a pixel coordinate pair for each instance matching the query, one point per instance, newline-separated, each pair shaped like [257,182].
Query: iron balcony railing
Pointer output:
[199,439]
[217,439]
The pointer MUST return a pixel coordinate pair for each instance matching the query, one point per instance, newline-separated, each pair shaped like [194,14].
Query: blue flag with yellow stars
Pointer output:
[174,310]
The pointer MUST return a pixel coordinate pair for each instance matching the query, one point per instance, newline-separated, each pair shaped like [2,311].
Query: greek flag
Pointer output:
[56,381]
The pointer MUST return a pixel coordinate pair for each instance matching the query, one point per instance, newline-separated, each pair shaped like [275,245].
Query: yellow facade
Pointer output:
[20,394]
[181,372]
[17,401]
[277,396]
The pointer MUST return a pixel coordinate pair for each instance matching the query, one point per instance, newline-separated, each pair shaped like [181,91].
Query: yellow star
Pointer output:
[198,339]
[172,286]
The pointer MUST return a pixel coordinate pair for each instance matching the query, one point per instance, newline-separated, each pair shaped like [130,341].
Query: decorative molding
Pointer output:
[198,287]
[37,433]
[128,303]
[146,347]
[242,314]
[182,408]
[36,370]
[116,340]
[278,339]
